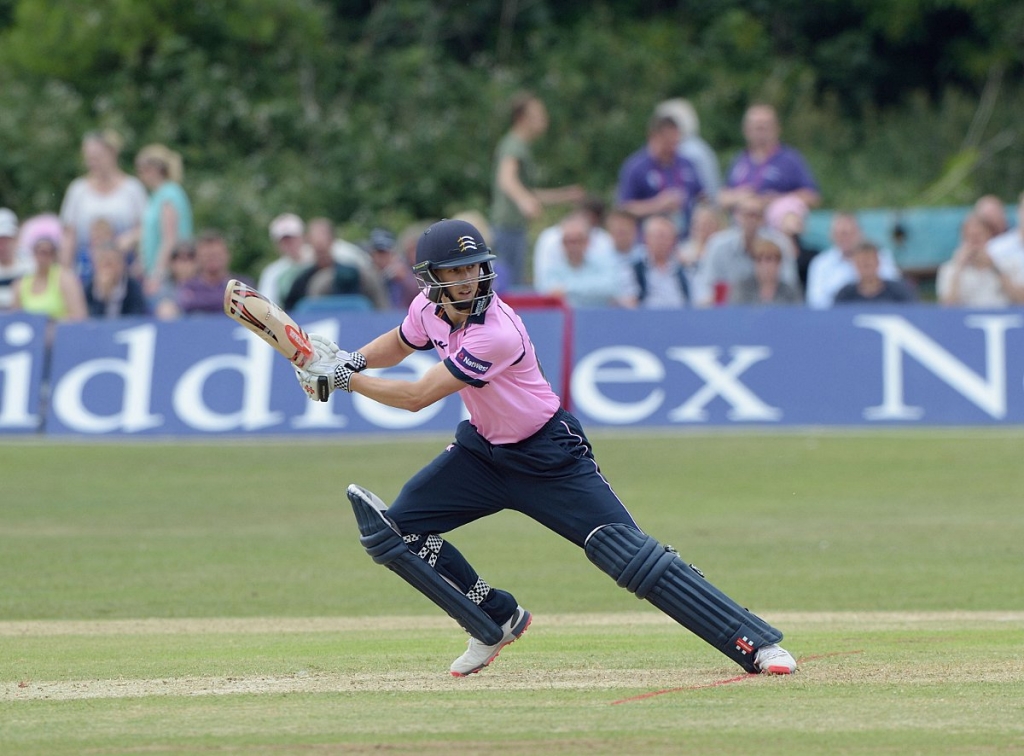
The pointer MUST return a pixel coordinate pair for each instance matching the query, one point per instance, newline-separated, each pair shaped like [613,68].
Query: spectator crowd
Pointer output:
[679,233]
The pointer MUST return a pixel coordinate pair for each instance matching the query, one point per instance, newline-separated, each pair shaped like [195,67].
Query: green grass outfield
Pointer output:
[213,598]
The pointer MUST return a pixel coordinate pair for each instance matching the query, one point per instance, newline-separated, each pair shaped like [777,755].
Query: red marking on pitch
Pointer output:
[718,683]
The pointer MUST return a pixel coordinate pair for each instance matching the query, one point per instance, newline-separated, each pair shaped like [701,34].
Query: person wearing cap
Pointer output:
[393,269]
[167,218]
[275,280]
[12,267]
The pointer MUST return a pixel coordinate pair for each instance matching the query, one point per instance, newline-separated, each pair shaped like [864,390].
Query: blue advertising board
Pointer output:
[911,365]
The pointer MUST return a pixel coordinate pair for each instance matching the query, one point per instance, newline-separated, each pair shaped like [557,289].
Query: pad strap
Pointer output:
[641,565]
[386,546]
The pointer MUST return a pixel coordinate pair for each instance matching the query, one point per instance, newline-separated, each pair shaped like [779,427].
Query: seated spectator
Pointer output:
[12,267]
[767,169]
[692,146]
[624,234]
[659,282]
[765,285]
[182,268]
[549,251]
[1007,251]
[112,292]
[788,214]
[657,180]
[584,275]
[870,287]
[970,278]
[707,220]
[993,211]
[322,239]
[399,281]
[325,277]
[276,278]
[51,290]
[833,268]
[729,256]
[204,292]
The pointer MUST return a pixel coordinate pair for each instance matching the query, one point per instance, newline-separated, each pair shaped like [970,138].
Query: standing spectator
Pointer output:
[182,269]
[659,278]
[393,269]
[276,278]
[516,200]
[870,287]
[52,290]
[324,277]
[204,292]
[692,146]
[992,210]
[833,268]
[12,267]
[788,214]
[707,221]
[105,191]
[1007,251]
[113,293]
[324,243]
[657,180]
[767,168]
[730,255]
[970,278]
[167,218]
[765,286]
[580,271]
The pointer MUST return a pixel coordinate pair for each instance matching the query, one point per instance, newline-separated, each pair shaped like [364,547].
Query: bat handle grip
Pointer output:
[323,390]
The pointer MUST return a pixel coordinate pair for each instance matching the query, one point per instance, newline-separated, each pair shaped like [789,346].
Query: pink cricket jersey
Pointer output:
[506,393]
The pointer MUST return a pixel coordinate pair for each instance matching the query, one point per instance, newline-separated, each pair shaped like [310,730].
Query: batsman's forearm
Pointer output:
[393,393]
[387,350]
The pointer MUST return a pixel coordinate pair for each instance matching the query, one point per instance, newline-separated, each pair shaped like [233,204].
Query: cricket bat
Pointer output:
[245,305]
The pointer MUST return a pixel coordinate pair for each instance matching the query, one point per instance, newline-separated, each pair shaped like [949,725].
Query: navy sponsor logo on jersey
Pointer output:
[471,363]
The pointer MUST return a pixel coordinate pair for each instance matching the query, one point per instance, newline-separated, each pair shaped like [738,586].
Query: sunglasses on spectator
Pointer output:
[768,258]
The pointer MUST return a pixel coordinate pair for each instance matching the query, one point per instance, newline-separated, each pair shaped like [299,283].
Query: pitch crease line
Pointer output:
[727,681]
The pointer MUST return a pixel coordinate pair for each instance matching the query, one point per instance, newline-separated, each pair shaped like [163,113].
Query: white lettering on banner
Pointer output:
[136,370]
[254,366]
[899,337]
[392,418]
[640,367]
[16,378]
[721,380]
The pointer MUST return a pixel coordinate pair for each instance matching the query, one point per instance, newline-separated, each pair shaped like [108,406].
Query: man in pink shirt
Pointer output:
[519,450]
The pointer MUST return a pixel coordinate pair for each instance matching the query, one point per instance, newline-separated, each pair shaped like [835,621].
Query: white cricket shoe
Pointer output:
[478,655]
[774,660]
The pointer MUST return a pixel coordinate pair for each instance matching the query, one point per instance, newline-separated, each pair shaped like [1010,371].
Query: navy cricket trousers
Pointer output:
[551,476]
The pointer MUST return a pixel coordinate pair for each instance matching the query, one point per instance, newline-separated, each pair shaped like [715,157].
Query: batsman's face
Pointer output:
[462,282]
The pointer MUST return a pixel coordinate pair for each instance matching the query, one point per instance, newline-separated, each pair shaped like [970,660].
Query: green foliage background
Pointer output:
[385,112]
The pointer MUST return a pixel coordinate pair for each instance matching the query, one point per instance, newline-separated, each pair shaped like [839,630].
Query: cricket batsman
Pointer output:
[519,450]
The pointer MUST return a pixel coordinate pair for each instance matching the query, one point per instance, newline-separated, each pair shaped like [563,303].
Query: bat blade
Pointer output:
[247,306]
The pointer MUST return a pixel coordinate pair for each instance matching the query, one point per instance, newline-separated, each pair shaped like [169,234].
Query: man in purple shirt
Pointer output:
[657,180]
[767,168]
[204,292]
[518,450]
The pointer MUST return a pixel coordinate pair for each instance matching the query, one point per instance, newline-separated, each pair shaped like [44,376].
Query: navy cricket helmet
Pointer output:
[452,244]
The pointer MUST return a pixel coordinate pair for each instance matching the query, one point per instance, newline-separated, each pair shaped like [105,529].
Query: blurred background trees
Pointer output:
[384,112]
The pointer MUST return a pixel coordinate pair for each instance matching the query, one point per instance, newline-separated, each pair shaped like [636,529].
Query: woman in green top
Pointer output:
[167,219]
[52,290]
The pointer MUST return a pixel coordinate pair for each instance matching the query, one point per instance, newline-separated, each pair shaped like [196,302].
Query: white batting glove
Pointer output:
[318,387]
[328,354]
